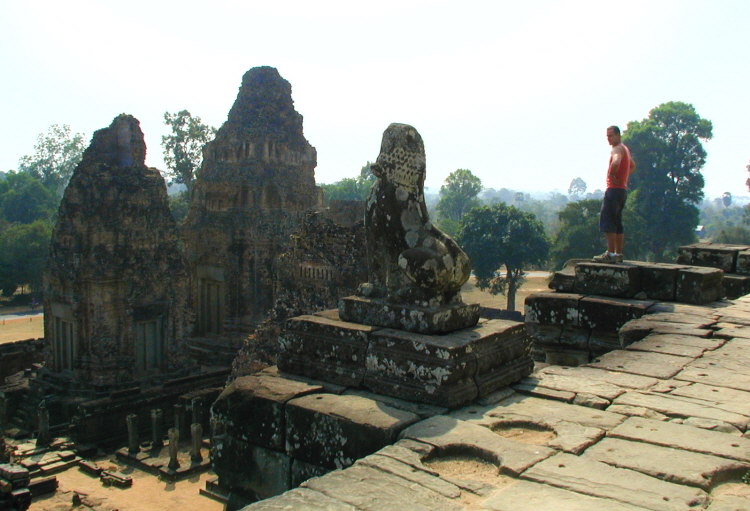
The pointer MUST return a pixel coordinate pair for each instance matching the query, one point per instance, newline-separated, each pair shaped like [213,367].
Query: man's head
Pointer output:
[613,135]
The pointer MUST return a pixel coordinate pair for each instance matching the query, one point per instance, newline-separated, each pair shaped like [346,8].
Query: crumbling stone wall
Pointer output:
[115,301]
[256,181]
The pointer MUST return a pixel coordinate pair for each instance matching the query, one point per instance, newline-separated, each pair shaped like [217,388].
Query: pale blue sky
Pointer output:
[518,92]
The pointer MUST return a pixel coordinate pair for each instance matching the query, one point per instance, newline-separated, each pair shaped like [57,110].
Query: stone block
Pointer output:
[564,281]
[324,348]
[659,280]
[249,468]
[412,318]
[617,280]
[699,285]
[302,471]
[609,314]
[736,285]
[552,308]
[252,408]
[743,262]
[334,431]
[713,255]
[451,369]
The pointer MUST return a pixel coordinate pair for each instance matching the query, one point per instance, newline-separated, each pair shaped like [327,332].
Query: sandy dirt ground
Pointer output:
[148,493]
[17,329]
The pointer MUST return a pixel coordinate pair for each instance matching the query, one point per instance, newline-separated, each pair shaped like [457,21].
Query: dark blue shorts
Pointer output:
[610,219]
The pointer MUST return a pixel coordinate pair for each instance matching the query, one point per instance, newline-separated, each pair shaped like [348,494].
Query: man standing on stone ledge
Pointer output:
[621,165]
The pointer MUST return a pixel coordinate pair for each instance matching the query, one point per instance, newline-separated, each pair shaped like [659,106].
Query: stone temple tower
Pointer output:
[115,306]
[254,186]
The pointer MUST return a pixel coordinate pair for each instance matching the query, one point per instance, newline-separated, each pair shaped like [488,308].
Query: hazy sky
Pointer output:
[518,92]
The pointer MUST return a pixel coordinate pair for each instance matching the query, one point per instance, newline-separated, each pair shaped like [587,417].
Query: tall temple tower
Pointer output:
[255,184]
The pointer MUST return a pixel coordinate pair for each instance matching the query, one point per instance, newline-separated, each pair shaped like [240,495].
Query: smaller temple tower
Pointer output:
[115,300]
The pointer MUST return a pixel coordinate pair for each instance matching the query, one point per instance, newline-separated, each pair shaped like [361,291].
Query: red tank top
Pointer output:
[623,171]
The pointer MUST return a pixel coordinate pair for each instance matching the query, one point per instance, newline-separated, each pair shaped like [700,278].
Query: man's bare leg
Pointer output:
[619,242]
[611,242]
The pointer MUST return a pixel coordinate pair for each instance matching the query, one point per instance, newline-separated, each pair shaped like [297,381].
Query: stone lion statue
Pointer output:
[410,261]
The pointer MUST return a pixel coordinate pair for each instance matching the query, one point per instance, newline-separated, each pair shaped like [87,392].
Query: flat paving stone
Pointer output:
[730,399]
[637,411]
[676,406]
[666,463]
[571,383]
[300,499]
[681,436]
[680,345]
[370,489]
[529,496]
[591,477]
[617,378]
[656,365]
[448,434]
[730,497]
[421,476]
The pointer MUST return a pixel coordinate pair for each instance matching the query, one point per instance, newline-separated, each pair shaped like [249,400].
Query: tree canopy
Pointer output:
[578,236]
[56,155]
[500,236]
[24,199]
[351,188]
[667,148]
[458,195]
[577,188]
[183,147]
[23,255]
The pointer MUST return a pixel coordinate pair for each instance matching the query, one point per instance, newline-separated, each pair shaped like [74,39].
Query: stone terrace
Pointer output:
[660,425]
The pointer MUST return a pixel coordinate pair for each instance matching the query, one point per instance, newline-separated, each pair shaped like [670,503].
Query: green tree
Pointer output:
[23,255]
[577,188]
[56,155]
[23,199]
[500,236]
[733,234]
[578,236]
[351,188]
[459,194]
[667,148]
[183,147]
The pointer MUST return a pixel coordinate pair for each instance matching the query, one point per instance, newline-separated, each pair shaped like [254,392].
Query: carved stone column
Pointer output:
[156,429]
[174,444]
[133,443]
[196,440]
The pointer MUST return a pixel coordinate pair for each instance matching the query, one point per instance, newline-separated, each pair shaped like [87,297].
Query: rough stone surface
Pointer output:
[680,436]
[679,345]
[657,365]
[617,280]
[714,255]
[674,465]
[699,285]
[598,479]
[334,431]
[451,436]
[300,499]
[619,379]
[529,496]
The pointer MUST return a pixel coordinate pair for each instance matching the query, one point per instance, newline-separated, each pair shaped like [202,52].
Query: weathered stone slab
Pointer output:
[730,399]
[598,479]
[529,496]
[617,280]
[701,311]
[736,285]
[699,285]
[300,499]
[323,348]
[420,409]
[564,281]
[421,475]
[730,497]
[571,383]
[412,318]
[714,255]
[302,471]
[719,376]
[370,489]
[680,345]
[673,465]
[530,388]
[647,364]
[252,407]
[659,280]
[617,378]
[334,431]
[731,331]
[530,409]
[609,314]
[637,329]
[448,370]
[637,411]
[680,436]
[676,406]
[451,435]
[743,262]
[552,308]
